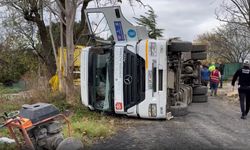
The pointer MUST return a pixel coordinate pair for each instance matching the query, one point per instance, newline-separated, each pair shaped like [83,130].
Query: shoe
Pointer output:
[243,117]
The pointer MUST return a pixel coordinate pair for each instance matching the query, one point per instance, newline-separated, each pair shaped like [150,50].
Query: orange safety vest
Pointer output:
[215,76]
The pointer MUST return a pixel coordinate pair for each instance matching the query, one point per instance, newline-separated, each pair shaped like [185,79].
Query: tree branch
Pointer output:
[59,4]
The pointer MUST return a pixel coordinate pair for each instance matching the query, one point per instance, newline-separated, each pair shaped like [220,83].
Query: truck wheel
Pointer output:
[180,109]
[199,48]
[180,46]
[199,56]
[200,98]
[200,90]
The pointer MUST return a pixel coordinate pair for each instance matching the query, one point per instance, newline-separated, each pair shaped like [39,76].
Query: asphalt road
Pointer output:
[212,125]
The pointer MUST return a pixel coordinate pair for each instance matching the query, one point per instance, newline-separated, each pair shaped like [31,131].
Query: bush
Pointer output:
[11,73]
[14,65]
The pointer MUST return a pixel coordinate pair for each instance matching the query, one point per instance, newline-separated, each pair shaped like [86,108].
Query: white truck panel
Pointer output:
[155,56]
[118,79]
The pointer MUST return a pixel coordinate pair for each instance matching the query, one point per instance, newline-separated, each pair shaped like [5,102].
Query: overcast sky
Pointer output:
[180,18]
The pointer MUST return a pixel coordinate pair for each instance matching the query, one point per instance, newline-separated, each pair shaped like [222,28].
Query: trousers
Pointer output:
[221,81]
[244,95]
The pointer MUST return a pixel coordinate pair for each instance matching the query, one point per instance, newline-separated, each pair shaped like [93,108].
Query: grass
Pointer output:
[87,125]
[3,146]
[90,130]
[4,132]
[8,106]
[8,90]
[7,146]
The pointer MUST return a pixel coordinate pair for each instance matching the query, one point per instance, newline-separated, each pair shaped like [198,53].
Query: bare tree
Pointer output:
[235,11]
[228,42]
[13,24]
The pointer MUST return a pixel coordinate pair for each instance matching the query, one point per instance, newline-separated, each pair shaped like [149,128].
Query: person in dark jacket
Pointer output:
[244,87]
[221,69]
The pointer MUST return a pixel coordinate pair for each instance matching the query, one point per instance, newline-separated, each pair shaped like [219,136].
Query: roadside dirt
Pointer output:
[212,125]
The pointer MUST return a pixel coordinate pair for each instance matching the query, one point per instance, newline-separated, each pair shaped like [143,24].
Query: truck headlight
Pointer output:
[152,110]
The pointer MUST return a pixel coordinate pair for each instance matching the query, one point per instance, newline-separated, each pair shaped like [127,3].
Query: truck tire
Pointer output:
[199,48]
[199,56]
[200,98]
[180,109]
[180,46]
[200,90]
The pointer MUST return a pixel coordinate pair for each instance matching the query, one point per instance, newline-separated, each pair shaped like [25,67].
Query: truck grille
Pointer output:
[134,79]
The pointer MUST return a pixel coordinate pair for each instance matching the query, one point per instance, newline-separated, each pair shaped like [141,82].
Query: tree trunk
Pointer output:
[70,10]
[62,83]
[61,61]
[69,65]
[47,50]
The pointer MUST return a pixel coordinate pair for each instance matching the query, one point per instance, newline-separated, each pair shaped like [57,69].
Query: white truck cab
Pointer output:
[128,75]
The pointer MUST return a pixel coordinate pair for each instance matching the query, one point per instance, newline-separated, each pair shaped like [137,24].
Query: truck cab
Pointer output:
[126,72]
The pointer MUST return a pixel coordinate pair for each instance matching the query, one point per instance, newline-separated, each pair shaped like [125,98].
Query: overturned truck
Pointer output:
[128,73]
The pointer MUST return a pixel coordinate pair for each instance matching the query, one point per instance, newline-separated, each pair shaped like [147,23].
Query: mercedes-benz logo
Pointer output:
[128,79]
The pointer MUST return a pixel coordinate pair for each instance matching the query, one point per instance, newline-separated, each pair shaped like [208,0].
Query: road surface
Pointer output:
[212,125]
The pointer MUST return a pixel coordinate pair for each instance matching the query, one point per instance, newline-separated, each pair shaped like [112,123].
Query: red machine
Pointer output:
[37,126]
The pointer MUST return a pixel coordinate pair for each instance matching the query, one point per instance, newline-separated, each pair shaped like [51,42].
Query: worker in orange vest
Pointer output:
[214,80]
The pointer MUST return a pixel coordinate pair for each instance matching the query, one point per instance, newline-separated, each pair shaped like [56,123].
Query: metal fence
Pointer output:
[230,69]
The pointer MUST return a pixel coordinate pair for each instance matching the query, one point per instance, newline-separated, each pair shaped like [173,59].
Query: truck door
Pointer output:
[154,105]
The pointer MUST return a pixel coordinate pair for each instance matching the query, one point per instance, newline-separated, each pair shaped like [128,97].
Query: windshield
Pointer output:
[99,26]
[102,81]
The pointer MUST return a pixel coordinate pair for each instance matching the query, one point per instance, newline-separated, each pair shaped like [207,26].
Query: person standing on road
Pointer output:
[221,69]
[214,81]
[205,75]
[211,68]
[244,87]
